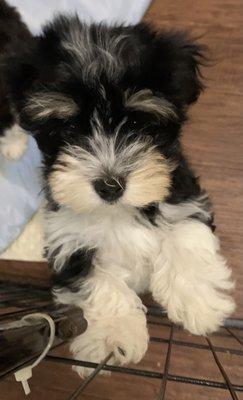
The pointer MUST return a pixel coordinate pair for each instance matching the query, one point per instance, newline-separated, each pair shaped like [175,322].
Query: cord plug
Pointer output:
[23,375]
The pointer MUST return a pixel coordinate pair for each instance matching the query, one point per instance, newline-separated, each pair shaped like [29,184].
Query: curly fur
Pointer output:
[125,213]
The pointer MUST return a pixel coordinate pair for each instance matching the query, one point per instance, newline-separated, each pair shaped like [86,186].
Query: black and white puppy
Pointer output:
[125,213]
[13,34]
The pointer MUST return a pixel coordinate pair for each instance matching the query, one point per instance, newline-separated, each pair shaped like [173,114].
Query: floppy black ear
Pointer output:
[172,67]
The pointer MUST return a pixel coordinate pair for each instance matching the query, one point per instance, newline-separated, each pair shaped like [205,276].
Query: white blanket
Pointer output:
[19,181]
[35,13]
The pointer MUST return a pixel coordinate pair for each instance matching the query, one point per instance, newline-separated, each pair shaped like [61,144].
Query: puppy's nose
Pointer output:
[110,189]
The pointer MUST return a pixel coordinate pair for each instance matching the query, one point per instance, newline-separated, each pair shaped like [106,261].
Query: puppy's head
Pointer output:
[106,106]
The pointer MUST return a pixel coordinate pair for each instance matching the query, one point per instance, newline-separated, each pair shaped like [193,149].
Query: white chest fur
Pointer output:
[125,245]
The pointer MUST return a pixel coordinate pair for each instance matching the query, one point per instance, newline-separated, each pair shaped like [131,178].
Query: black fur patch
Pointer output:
[185,185]
[150,213]
[77,267]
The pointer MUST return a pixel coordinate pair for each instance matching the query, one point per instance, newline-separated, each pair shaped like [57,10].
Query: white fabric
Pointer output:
[36,13]
[19,180]
[29,245]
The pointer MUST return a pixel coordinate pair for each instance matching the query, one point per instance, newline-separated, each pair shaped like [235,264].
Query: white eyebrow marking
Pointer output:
[144,100]
[47,104]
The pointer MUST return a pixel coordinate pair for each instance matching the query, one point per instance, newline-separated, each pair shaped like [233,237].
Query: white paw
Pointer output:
[191,279]
[13,143]
[90,346]
[126,337]
[202,316]
[200,306]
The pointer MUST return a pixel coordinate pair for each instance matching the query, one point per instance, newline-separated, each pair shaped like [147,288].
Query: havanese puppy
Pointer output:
[125,214]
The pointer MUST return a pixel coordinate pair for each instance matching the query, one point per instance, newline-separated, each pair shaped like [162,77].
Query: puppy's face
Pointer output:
[106,106]
[113,153]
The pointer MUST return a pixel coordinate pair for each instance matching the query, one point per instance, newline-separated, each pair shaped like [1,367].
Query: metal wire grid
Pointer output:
[19,296]
[165,376]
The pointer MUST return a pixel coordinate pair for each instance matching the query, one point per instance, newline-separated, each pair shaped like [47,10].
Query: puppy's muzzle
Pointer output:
[109,189]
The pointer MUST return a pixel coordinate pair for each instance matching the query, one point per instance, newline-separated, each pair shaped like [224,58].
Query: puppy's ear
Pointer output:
[172,67]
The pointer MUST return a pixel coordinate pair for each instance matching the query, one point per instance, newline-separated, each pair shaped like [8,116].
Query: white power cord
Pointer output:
[24,374]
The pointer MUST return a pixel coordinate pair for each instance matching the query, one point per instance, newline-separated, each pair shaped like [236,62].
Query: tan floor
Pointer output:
[213,140]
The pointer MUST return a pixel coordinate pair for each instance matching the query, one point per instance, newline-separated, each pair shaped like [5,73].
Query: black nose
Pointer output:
[110,189]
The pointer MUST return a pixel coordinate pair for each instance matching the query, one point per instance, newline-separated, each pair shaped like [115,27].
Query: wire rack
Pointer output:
[156,317]
[228,331]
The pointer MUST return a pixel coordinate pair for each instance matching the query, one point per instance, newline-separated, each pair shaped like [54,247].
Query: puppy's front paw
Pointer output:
[128,339]
[125,337]
[191,279]
[202,315]
[90,346]
[13,143]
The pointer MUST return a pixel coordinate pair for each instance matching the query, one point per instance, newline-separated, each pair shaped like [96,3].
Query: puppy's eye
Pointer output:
[133,122]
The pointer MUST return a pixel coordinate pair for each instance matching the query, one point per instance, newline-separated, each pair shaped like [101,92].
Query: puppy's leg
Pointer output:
[13,142]
[190,277]
[116,321]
